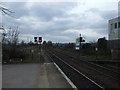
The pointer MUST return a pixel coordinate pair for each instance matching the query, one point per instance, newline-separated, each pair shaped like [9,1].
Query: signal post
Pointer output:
[81,40]
[38,40]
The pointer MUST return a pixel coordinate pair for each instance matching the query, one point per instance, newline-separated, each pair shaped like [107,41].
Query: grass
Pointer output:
[96,57]
[30,57]
[76,54]
[34,57]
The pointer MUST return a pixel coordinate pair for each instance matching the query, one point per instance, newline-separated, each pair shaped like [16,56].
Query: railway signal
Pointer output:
[81,39]
[35,39]
[40,39]
[79,42]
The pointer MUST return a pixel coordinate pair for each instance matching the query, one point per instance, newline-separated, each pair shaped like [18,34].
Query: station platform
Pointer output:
[50,77]
[44,75]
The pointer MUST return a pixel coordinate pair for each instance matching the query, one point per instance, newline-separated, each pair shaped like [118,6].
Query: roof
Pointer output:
[114,19]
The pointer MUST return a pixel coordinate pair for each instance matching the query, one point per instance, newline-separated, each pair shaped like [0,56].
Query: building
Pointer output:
[114,29]
[114,37]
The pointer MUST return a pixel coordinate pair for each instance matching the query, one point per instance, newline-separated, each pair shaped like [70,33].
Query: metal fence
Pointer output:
[114,44]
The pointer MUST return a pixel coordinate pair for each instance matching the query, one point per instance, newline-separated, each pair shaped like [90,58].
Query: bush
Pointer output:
[8,54]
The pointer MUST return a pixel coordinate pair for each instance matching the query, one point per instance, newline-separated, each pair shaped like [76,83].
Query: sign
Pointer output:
[32,51]
[96,49]
[77,44]
[77,41]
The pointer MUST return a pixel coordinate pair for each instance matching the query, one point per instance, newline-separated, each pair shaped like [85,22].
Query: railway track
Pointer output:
[79,79]
[101,75]
[110,69]
[104,70]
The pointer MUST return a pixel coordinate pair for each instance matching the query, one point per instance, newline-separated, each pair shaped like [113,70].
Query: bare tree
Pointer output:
[12,35]
[13,39]
[5,11]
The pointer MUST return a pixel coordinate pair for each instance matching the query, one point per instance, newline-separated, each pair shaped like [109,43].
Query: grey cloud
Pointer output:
[17,7]
[47,12]
[105,14]
[109,14]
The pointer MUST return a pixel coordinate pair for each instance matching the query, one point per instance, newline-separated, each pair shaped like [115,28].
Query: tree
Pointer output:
[102,44]
[13,39]
[44,42]
[22,42]
[12,35]
[30,43]
[102,47]
[49,43]
[69,46]
[5,11]
[87,48]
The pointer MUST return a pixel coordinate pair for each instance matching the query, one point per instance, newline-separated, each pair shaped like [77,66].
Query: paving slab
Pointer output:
[44,75]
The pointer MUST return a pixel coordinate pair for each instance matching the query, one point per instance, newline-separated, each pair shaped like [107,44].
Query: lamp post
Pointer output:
[1,38]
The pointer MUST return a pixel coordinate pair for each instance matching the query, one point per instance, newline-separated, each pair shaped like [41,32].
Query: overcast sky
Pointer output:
[62,21]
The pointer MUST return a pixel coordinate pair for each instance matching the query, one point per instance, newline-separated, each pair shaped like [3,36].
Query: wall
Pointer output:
[114,38]
[114,33]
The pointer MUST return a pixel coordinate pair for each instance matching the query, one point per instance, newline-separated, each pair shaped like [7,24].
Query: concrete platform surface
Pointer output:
[33,76]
